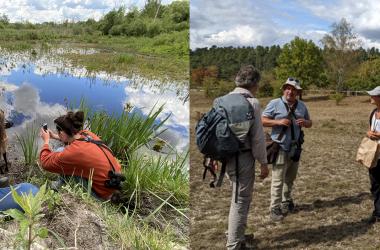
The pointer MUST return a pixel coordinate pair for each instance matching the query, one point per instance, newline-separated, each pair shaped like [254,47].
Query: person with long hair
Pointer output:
[84,158]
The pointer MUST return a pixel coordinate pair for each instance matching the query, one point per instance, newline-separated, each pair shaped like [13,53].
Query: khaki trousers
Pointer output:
[284,173]
[237,219]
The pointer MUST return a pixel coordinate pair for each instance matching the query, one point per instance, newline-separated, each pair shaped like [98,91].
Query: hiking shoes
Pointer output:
[4,182]
[287,207]
[276,214]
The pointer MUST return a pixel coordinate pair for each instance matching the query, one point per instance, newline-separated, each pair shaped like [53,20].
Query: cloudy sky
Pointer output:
[268,22]
[37,11]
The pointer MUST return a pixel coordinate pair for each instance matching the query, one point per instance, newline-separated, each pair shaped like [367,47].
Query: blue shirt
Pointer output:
[276,110]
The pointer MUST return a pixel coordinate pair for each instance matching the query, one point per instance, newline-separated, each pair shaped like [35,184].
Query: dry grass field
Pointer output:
[331,191]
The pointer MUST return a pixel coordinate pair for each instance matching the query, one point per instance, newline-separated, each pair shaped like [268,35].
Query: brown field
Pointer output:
[331,191]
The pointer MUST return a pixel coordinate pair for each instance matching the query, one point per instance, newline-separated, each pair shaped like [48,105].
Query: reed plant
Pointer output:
[28,143]
[160,177]
[127,132]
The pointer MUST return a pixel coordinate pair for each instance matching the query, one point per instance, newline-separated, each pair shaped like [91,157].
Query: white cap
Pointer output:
[374,92]
[292,82]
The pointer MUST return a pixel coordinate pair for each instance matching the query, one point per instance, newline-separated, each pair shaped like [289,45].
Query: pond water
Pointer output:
[38,89]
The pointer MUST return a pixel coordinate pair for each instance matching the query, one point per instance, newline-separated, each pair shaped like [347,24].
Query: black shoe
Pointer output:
[4,182]
[276,214]
[372,219]
[287,207]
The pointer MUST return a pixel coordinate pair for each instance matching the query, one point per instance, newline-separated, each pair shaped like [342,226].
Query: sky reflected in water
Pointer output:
[35,90]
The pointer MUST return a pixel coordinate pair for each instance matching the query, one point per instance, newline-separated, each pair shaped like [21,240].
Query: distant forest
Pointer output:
[342,64]
[153,19]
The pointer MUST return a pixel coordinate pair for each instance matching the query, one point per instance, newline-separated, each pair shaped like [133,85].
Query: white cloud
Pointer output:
[36,11]
[362,15]
[147,97]
[245,22]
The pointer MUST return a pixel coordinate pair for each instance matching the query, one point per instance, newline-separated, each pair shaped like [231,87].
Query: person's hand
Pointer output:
[373,135]
[283,122]
[264,171]
[301,122]
[53,135]
[45,136]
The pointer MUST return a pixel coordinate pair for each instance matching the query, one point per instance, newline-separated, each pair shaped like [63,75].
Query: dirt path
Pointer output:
[331,191]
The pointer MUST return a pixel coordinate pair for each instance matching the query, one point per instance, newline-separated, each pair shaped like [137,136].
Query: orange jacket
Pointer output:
[77,159]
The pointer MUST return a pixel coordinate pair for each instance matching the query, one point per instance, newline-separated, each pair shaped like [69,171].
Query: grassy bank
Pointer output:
[153,213]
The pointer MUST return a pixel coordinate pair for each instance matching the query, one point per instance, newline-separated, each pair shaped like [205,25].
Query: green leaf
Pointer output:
[43,232]
[15,214]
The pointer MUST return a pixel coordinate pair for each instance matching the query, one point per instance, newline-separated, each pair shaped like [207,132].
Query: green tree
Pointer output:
[340,54]
[301,59]
[4,19]
[367,76]
[112,18]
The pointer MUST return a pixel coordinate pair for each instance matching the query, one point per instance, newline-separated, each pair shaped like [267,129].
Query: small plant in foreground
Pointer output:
[29,229]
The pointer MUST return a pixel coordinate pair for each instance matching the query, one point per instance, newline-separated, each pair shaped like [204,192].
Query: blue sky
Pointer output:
[37,11]
[268,22]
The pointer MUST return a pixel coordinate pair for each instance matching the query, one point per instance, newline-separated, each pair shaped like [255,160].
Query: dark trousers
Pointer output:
[374,176]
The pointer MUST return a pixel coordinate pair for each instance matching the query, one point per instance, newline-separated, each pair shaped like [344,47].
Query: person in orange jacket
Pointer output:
[83,158]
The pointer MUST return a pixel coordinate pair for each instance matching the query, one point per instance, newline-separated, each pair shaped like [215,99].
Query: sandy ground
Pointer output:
[331,191]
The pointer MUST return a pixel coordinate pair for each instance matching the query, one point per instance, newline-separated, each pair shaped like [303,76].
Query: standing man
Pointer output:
[286,115]
[246,82]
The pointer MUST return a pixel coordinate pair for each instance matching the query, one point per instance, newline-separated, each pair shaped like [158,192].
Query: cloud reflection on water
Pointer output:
[36,108]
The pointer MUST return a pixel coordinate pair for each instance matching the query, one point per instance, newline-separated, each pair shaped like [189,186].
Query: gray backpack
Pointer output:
[221,133]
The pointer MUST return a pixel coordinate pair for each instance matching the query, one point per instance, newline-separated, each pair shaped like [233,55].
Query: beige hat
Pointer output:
[292,82]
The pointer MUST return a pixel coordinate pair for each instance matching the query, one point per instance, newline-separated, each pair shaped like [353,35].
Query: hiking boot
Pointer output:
[4,182]
[250,237]
[276,214]
[372,219]
[287,207]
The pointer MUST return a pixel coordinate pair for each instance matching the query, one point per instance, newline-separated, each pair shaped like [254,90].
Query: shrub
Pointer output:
[338,97]
[265,90]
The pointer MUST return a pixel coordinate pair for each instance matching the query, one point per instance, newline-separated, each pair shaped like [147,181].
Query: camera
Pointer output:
[45,127]
[115,180]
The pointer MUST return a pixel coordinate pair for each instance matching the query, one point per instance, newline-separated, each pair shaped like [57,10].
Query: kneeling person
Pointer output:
[81,159]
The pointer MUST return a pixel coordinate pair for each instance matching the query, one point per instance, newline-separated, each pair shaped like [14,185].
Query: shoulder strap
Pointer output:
[371,116]
[100,144]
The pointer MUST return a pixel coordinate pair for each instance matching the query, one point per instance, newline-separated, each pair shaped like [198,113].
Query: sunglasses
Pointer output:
[58,128]
[293,79]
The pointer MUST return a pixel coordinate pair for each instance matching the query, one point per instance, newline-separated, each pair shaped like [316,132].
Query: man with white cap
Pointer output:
[286,115]
[374,173]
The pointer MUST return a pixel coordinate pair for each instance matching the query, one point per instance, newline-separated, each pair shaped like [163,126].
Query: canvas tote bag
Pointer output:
[368,153]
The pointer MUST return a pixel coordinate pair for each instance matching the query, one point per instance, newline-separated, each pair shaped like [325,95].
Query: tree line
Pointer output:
[153,19]
[341,64]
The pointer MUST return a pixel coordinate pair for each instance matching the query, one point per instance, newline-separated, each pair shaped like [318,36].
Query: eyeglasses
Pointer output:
[293,79]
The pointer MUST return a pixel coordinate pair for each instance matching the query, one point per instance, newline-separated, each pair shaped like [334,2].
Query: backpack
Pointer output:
[222,131]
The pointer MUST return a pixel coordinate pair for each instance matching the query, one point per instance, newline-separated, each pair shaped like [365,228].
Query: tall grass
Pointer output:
[128,132]
[28,143]
[159,176]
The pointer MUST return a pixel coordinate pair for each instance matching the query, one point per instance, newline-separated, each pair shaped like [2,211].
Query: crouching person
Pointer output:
[84,158]
[286,115]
